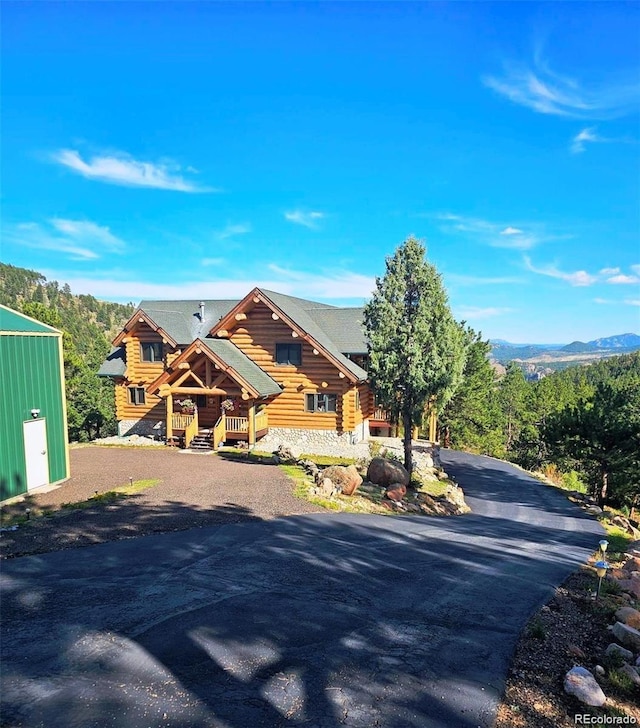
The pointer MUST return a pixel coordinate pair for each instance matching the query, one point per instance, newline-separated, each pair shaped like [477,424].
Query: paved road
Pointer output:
[317,620]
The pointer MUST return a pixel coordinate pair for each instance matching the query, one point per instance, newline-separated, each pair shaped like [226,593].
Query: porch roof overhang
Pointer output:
[227,359]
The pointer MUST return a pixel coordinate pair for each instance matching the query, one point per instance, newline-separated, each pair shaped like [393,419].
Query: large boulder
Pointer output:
[345,479]
[580,683]
[385,472]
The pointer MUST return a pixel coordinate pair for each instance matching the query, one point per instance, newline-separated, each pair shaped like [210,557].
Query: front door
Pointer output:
[35,453]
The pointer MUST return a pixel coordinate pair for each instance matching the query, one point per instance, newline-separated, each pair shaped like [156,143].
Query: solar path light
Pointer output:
[601,571]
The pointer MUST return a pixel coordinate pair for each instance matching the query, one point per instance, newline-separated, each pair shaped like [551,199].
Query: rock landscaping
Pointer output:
[579,655]
[383,485]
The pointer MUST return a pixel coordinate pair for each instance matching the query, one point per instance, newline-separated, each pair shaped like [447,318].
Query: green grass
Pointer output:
[619,540]
[326,460]
[10,518]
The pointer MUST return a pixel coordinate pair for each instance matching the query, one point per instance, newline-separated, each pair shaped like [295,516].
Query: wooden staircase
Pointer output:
[202,442]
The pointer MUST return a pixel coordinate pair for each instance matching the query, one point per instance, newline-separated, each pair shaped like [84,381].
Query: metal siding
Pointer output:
[30,378]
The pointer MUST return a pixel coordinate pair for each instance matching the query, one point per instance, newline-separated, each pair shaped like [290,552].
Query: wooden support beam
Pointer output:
[207,373]
[241,317]
[275,316]
[169,417]
[184,365]
[252,423]
[223,334]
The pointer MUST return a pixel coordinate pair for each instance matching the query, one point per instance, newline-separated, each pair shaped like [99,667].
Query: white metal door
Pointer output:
[35,453]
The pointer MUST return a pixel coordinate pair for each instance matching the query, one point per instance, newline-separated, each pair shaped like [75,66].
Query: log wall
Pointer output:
[257,337]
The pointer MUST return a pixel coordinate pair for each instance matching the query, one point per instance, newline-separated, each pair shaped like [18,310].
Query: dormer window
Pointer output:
[151,351]
[289,354]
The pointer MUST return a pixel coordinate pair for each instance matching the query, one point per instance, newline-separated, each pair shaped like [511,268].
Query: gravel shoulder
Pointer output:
[194,490]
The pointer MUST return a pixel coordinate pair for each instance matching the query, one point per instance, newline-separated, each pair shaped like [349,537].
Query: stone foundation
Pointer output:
[147,428]
[314,442]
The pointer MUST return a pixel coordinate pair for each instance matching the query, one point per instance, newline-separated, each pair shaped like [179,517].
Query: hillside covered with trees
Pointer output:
[580,425]
[89,326]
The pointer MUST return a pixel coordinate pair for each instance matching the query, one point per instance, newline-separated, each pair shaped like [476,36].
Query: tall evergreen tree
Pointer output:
[471,419]
[416,348]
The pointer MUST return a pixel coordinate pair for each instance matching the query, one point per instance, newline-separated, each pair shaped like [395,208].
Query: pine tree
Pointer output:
[416,348]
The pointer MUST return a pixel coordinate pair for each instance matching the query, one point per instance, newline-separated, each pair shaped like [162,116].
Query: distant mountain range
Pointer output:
[548,357]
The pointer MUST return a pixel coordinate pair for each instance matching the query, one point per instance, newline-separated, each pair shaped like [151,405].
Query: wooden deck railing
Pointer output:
[181,422]
[380,414]
[237,424]
[191,431]
[219,431]
[262,421]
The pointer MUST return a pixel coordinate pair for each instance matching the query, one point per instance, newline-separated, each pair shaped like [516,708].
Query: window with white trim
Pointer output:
[321,402]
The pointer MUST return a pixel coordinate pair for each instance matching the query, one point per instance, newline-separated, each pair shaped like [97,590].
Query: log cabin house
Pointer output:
[270,366]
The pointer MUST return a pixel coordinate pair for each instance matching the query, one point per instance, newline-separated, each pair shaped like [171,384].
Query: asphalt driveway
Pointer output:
[315,620]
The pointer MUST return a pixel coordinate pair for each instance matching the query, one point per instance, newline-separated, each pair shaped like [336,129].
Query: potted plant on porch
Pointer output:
[187,406]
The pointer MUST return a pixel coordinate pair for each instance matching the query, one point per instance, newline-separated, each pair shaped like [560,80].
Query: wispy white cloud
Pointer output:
[77,239]
[231,230]
[632,301]
[474,313]
[494,234]
[536,86]
[119,168]
[331,285]
[589,135]
[635,268]
[212,261]
[307,219]
[611,276]
[604,301]
[579,140]
[464,280]
[623,280]
[576,278]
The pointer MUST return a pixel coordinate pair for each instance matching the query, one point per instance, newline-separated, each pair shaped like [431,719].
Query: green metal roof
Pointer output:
[13,321]
[247,369]
[114,365]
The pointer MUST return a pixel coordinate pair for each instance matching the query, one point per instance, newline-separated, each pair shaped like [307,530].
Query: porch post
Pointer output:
[252,423]
[169,401]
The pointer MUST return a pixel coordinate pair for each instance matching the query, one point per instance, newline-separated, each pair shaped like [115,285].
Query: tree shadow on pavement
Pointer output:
[320,620]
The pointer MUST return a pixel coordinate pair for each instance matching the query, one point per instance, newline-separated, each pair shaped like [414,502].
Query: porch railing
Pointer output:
[181,422]
[262,421]
[190,431]
[380,415]
[219,431]
[237,424]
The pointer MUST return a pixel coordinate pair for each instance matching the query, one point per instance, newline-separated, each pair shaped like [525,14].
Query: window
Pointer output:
[357,400]
[136,395]
[201,401]
[289,354]
[151,351]
[321,402]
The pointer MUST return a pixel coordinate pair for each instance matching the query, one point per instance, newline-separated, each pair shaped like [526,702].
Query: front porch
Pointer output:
[184,429]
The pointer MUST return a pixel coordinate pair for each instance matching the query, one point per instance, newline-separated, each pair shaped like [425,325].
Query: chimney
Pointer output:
[201,311]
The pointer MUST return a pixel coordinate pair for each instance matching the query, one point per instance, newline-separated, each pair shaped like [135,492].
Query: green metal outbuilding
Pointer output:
[33,410]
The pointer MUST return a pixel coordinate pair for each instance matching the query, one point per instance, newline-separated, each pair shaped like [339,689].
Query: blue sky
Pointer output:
[194,150]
